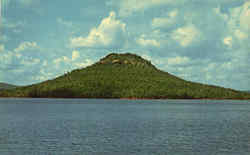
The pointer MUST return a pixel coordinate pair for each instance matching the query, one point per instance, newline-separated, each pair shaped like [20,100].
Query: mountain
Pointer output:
[123,76]
[4,86]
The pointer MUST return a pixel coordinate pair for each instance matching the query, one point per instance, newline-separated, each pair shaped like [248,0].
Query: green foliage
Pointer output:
[4,86]
[123,76]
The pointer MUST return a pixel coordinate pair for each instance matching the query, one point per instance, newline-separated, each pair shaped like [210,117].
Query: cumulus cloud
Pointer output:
[240,35]
[72,62]
[228,41]
[245,16]
[165,22]
[186,35]
[10,25]
[75,55]
[30,61]
[26,46]
[239,23]
[15,64]
[147,42]
[62,59]
[205,70]
[176,35]
[111,33]
[85,63]
[128,7]
[178,60]
[42,76]
[6,59]
[217,11]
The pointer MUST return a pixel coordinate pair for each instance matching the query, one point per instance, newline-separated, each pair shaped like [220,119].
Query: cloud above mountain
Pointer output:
[200,40]
[111,34]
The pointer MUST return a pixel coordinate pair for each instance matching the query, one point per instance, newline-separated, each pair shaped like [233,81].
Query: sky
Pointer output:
[204,41]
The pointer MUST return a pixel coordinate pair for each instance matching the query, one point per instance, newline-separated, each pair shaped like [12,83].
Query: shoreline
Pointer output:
[122,98]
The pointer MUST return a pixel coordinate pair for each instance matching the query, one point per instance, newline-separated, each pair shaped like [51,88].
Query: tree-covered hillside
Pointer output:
[123,76]
[4,86]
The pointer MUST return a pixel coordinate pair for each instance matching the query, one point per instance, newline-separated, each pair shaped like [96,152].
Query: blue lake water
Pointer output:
[124,127]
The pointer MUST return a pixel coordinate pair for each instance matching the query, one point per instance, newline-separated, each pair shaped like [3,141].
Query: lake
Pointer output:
[124,127]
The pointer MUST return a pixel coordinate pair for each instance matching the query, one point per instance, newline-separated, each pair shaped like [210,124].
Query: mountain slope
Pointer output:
[123,76]
[4,86]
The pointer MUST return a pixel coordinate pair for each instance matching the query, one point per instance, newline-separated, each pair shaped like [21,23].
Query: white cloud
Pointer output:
[26,46]
[75,55]
[218,12]
[245,16]
[147,42]
[30,61]
[18,55]
[165,22]
[14,26]
[239,21]
[44,75]
[128,7]
[86,63]
[2,48]
[73,62]
[111,33]
[240,35]
[173,13]
[186,35]
[147,57]
[63,59]
[228,41]
[178,60]
[6,58]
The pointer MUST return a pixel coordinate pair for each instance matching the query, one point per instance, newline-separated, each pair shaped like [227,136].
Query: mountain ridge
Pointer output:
[4,86]
[123,76]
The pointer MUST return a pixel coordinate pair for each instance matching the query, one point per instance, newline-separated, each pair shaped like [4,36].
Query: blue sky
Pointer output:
[199,40]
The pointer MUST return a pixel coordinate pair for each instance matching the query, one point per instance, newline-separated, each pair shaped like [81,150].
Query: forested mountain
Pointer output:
[4,86]
[123,76]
